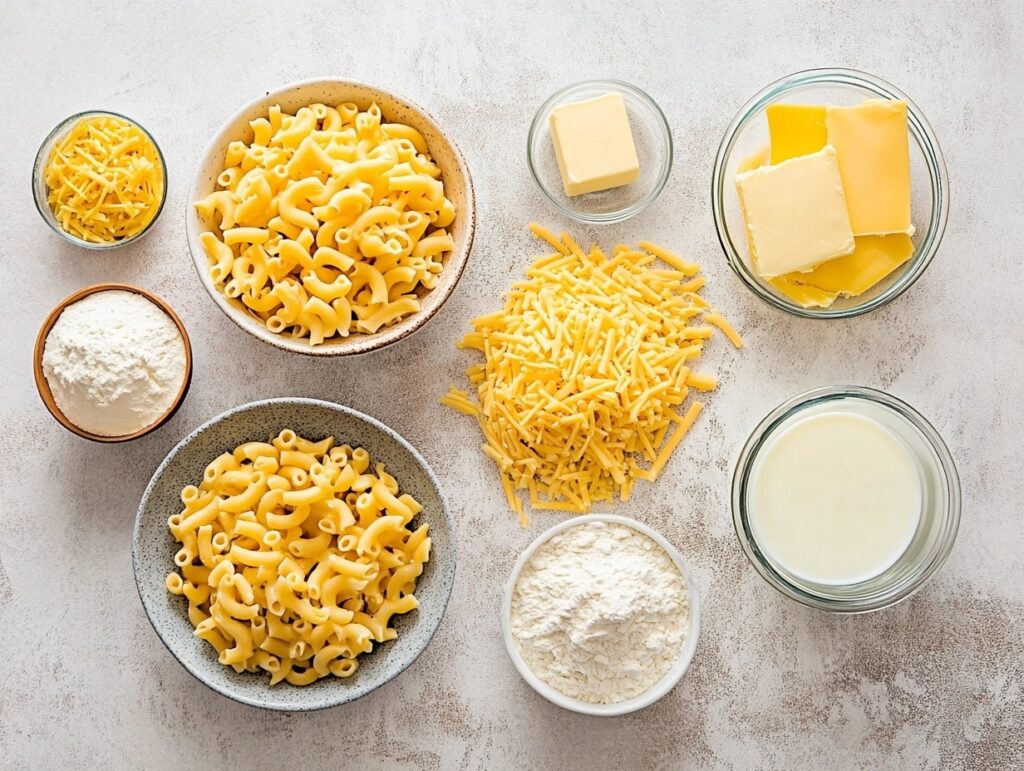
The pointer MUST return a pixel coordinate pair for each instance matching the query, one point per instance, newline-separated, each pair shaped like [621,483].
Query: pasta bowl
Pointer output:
[458,188]
[153,549]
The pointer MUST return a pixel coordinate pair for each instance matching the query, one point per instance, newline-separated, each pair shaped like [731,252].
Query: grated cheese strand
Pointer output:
[584,372]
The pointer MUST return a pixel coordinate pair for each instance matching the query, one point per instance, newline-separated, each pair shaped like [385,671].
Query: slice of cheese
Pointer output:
[795,213]
[872,148]
[795,130]
[873,258]
[594,144]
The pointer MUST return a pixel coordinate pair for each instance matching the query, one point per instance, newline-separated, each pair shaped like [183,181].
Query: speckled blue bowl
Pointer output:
[153,548]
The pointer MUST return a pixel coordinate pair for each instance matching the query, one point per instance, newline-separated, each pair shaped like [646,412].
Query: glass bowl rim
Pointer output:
[919,128]
[618,215]
[785,411]
[43,207]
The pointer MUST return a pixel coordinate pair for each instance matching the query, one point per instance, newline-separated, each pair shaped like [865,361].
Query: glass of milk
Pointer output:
[846,499]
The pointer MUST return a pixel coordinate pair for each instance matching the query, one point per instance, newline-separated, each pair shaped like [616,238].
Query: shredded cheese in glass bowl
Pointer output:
[99,180]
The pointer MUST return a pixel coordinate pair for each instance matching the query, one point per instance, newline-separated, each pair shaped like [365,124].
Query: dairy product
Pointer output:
[795,213]
[834,498]
[872,147]
[795,130]
[873,258]
[114,362]
[594,144]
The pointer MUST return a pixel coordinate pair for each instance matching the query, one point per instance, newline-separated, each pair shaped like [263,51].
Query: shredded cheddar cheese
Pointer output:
[586,370]
[104,180]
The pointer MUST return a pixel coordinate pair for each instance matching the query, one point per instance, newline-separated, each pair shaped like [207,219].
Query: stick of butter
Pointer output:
[795,213]
[594,144]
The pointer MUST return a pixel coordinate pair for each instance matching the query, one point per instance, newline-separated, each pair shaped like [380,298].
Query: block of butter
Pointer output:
[874,159]
[795,213]
[594,144]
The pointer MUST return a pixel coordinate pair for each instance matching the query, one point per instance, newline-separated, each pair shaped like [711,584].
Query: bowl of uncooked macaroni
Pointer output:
[99,180]
[331,217]
[294,554]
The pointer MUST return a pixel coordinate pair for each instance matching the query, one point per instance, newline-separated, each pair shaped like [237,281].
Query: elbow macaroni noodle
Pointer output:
[294,557]
[331,222]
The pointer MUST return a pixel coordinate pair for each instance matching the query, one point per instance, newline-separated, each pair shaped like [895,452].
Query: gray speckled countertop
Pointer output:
[934,682]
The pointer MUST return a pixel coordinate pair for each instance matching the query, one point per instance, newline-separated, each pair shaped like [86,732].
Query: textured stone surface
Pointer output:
[933,682]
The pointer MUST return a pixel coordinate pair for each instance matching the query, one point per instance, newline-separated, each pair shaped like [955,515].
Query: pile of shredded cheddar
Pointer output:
[586,370]
[104,180]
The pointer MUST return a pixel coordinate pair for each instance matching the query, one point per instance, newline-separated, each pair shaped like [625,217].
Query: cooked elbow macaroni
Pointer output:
[330,222]
[294,557]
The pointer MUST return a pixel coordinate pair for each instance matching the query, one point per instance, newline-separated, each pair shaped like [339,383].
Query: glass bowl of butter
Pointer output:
[600,151]
[829,193]
[846,499]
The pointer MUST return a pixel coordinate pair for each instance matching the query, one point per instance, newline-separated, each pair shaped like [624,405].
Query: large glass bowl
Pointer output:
[748,134]
[940,511]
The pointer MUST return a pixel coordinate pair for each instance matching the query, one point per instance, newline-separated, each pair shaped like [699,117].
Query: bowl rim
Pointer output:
[350,412]
[785,411]
[43,386]
[660,688]
[618,215]
[919,128]
[357,343]
[43,207]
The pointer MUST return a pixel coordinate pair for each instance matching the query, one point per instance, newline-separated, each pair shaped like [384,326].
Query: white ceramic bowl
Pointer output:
[457,183]
[656,691]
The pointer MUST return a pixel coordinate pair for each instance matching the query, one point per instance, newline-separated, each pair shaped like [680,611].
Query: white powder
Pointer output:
[114,362]
[600,612]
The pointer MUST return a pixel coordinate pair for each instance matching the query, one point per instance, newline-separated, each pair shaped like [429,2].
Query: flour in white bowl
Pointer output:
[114,362]
[600,612]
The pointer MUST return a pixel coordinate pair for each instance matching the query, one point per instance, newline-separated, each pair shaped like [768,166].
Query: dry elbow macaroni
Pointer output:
[294,557]
[330,222]
[104,180]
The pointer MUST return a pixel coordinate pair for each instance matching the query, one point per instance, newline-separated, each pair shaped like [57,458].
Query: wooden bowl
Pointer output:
[458,187]
[44,387]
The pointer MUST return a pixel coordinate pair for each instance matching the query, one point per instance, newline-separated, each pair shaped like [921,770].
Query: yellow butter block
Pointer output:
[795,130]
[795,213]
[873,151]
[594,144]
[873,258]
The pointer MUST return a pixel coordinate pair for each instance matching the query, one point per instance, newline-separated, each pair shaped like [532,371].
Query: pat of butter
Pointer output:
[594,144]
[795,130]
[874,159]
[795,213]
[873,258]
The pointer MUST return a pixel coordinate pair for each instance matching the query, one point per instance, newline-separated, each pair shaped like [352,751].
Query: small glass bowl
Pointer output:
[748,134]
[39,190]
[652,138]
[940,512]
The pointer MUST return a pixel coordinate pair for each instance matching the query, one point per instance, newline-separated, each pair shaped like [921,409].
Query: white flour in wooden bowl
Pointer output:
[600,612]
[114,362]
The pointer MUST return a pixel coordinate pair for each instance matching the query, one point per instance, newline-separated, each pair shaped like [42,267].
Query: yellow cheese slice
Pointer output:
[873,151]
[795,130]
[873,258]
